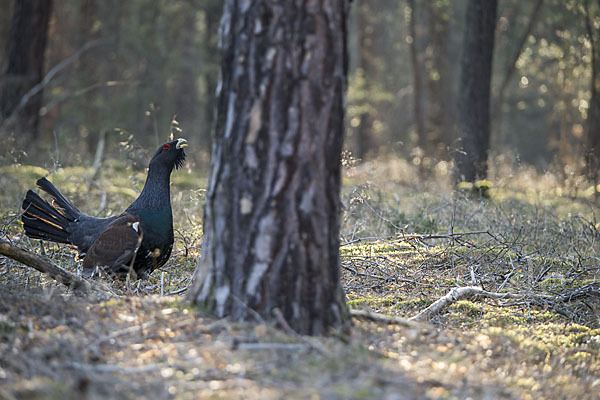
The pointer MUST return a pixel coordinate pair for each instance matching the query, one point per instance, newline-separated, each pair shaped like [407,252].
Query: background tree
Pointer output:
[592,13]
[163,53]
[417,71]
[24,65]
[272,213]
[474,97]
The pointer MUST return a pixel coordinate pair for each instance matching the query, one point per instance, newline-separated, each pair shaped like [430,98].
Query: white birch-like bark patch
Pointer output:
[264,239]
[230,115]
[256,275]
[221,296]
[245,205]
[250,157]
[255,124]
[306,204]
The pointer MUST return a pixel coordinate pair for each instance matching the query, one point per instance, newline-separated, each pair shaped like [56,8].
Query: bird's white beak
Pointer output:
[181,143]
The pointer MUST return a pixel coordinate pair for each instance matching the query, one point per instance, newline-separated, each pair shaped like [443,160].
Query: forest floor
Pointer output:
[406,242]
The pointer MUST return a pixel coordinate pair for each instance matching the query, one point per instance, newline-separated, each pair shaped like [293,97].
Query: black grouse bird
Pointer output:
[142,237]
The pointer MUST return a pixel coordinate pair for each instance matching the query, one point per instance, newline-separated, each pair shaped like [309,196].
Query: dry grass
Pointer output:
[406,242]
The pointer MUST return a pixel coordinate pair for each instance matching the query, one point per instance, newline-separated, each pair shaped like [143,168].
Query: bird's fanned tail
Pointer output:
[48,220]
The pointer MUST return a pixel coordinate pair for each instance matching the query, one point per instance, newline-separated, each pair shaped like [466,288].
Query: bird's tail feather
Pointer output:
[48,220]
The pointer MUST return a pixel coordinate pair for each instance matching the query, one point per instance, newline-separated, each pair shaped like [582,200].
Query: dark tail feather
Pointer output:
[48,220]
[62,202]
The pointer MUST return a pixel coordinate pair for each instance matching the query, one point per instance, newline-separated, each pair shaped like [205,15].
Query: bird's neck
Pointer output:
[156,194]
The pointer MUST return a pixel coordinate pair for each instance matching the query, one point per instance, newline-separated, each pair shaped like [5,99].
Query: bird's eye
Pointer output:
[166,147]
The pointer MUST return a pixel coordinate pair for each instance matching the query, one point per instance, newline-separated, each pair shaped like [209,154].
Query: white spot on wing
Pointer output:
[136,226]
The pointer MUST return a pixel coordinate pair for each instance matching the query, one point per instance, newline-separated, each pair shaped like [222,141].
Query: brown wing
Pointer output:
[115,247]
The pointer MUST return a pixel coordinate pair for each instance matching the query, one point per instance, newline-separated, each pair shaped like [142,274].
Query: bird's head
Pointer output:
[171,154]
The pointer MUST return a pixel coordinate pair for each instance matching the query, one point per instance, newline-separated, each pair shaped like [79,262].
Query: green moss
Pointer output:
[27,172]
[563,283]
[372,301]
[467,308]
[417,302]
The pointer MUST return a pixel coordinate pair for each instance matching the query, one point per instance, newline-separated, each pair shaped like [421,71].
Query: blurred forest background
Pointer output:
[124,69]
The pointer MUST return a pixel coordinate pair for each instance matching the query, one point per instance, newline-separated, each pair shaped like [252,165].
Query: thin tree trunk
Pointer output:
[593,123]
[272,210]
[439,115]
[210,74]
[364,131]
[417,67]
[24,65]
[512,67]
[474,96]
[186,100]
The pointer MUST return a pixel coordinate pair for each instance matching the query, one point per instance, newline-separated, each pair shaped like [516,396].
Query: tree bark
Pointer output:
[474,96]
[272,212]
[24,65]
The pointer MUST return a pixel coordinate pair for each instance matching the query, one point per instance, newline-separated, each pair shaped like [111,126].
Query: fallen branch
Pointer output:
[274,346]
[452,297]
[457,294]
[386,319]
[43,265]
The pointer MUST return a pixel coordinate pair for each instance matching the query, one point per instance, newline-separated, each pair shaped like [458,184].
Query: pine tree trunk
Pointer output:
[474,97]
[24,64]
[272,210]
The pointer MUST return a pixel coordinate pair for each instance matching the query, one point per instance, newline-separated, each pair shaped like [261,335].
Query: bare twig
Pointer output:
[452,235]
[53,71]
[56,159]
[177,291]
[98,155]
[273,346]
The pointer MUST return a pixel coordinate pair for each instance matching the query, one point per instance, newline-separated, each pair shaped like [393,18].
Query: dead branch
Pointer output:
[454,235]
[452,297]
[457,294]
[274,346]
[386,319]
[43,265]
[48,78]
